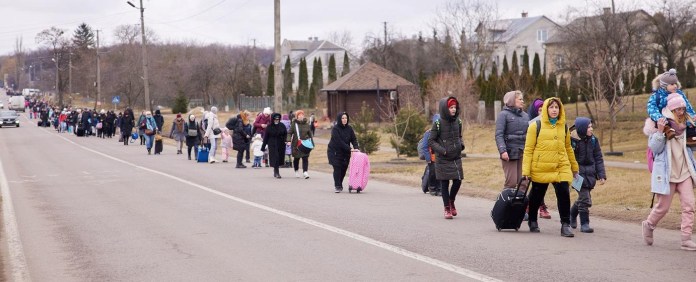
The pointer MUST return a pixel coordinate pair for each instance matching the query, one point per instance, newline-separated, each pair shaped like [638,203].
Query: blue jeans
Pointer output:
[257,161]
[148,140]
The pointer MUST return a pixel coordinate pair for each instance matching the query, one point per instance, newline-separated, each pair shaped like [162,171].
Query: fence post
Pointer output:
[497,107]
[481,112]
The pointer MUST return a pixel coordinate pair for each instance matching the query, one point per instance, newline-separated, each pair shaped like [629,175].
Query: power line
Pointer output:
[201,12]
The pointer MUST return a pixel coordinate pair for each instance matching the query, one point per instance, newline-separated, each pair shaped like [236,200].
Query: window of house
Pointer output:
[542,35]
[560,62]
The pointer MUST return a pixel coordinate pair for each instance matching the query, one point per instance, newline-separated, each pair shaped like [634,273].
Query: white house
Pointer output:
[311,49]
[509,35]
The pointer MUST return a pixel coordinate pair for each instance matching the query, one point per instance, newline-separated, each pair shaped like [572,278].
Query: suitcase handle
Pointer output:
[519,183]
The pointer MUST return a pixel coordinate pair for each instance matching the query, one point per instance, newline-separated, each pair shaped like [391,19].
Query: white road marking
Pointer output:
[18,263]
[432,261]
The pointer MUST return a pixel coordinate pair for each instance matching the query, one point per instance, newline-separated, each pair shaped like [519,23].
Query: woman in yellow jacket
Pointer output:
[549,158]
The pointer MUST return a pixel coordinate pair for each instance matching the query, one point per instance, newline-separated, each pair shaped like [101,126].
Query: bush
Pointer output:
[368,139]
[408,129]
[180,103]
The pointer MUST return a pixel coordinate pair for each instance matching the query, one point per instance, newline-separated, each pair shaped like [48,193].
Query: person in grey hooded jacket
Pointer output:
[510,133]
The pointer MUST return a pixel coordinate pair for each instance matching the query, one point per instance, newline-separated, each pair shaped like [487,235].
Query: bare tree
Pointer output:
[600,52]
[344,39]
[674,32]
[468,22]
[57,43]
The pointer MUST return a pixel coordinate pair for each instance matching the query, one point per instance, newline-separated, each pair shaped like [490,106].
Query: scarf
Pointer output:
[553,120]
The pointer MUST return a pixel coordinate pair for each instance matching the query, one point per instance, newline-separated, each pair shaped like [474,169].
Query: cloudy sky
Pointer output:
[240,22]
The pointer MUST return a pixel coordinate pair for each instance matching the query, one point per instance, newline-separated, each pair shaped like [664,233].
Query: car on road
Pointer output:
[9,118]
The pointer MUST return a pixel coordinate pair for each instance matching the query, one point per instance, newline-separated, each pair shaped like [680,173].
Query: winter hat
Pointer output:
[157,112]
[451,102]
[510,97]
[581,125]
[275,116]
[267,111]
[669,77]
[178,115]
[213,109]
[675,101]
[299,112]
[192,117]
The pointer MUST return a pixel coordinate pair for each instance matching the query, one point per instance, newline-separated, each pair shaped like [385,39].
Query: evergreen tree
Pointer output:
[639,82]
[255,85]
[346,64]
[525,61]
[270,82]
[690,77]
[649,78]
[302,84]
[320,75]
[311,96]
[536,67]
[551,89]
[83,37]
[368,138]
[515,65]
[287,78]
[332,69]
[506,68]
[180,103]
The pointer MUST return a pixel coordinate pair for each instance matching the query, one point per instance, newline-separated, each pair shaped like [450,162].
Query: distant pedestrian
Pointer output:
[178,133]
[193,136]
[299,130]
[126,125]
[212,133]
[150,131]
[339,150]
[446,140]
[256,143]
[226,144]
[274,138]
[240,138]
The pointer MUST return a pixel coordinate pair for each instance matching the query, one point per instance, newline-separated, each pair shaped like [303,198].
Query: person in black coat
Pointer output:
[274,137]
[159,120]
[194,135]
[342,136]
[446,141]
[127,124]
[240,138]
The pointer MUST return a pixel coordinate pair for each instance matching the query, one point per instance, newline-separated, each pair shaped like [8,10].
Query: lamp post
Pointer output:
[144,50]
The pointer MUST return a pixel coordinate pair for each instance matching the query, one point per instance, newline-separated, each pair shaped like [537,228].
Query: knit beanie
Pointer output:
[509,98]
[675,101]
[451,102]
[267,110]
[669,77]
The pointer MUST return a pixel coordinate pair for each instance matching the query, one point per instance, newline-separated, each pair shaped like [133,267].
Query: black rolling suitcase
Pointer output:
[80,132]
[510,206]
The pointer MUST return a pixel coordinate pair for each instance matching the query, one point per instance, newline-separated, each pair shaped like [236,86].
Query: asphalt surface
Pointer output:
[90,209]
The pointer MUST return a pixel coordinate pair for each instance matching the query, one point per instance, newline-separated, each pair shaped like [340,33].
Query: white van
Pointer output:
[17,103]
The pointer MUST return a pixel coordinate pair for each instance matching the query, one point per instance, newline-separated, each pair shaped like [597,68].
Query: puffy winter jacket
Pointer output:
[588,154]
[511,132]
[446,140]
[549,157]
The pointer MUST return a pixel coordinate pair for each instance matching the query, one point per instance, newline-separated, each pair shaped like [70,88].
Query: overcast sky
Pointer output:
[239,22]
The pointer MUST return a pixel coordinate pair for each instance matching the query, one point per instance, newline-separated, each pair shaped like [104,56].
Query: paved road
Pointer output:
[92,209]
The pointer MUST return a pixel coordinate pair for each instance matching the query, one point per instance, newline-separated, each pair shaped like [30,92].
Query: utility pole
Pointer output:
[278,87]
[384,46]
[144,49]
[70,72]
[98,75]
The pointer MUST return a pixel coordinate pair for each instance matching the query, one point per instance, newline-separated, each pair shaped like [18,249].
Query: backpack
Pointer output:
[423,146]
[231,123]
[437,126]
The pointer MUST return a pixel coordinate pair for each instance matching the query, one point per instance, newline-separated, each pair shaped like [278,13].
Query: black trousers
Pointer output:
[536,198]
[449,194]
[305,163]
[339,173]
[240,156]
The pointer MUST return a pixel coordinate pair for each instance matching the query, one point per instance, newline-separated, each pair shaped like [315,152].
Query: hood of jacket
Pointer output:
[561,112]
[581,125]
[338,119]
[444,110]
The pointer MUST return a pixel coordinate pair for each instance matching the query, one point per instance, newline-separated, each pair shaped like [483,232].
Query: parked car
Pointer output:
[9,118]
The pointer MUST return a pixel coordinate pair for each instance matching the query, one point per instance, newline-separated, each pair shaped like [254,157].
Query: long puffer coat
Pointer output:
[239,135]
[549,158]
[446,141]
[342,136]
[274,138]
[305,133]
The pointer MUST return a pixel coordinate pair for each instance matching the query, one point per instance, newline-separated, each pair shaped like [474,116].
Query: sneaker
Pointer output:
[306,175]
[297,174]
[543,212]
[240,166]
[212,161]
[453,210]
[648,233]
[688,245]
[337,189]
[448,213]
[224,161]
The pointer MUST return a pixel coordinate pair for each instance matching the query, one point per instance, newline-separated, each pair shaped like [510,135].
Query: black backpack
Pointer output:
[231,123]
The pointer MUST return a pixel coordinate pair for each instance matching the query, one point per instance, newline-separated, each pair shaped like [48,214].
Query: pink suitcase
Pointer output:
[359,172]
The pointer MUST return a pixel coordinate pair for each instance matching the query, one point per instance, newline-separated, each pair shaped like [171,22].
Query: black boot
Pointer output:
[574,216]
[585,223]
[276,172]
[534,227]
[566,231]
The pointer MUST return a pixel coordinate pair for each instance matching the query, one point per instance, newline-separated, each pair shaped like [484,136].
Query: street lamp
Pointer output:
[144,50]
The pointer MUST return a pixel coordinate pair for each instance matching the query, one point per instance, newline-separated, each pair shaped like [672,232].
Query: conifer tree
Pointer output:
[552,90]
[639,82]
[287,78]
[332,69]
[514,68]
[536,67]
[346,64]
[270,82]
[649,78]
[506,68]
[525,62]
[302,84]
[83,37]
[690,77]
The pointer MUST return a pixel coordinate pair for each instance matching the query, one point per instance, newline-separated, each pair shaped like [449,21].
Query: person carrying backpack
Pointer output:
[446,140]
[588,154]
[426,153]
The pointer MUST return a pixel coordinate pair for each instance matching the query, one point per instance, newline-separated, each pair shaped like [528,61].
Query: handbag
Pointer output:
[100,125]
[305,146]
[217,131]
[192,132]
[149,132]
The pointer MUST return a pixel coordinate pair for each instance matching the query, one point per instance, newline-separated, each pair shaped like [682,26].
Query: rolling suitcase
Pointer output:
[202,154]
[510,206]
[80,132]
[359,172]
